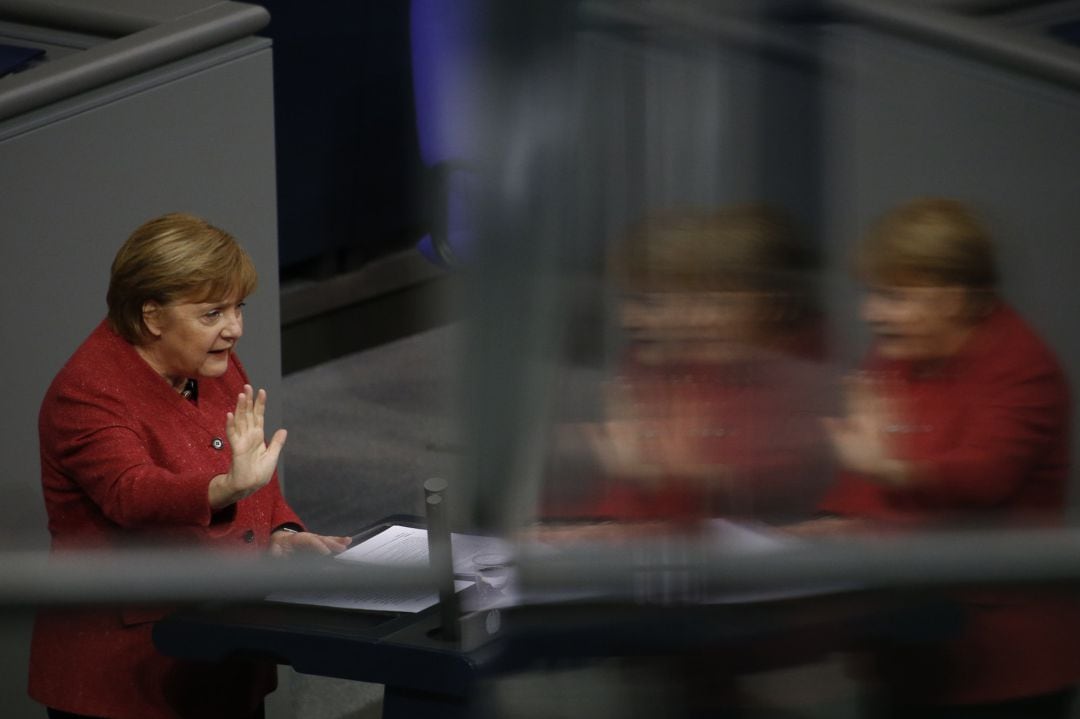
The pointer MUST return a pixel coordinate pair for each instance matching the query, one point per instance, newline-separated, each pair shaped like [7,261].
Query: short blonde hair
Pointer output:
[170,258]
[929,241]
[742,247]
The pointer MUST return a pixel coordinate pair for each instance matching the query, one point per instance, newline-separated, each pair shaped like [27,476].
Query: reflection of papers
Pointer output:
[400,546]
[739,538]
[748,538]
[683,583]
[382,600]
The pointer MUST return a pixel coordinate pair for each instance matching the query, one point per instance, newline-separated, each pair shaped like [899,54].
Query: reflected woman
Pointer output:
[961,414]
[714,409]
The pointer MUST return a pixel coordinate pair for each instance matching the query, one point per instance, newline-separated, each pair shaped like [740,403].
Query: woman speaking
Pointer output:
[152,435]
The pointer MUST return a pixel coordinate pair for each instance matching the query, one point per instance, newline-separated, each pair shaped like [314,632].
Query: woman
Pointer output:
[961,414]
[713,412]
[152,435]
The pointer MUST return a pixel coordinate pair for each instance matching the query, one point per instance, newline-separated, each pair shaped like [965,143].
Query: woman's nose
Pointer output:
[234,324]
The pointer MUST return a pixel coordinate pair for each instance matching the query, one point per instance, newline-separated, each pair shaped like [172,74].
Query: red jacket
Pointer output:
[127,460]
[988,431]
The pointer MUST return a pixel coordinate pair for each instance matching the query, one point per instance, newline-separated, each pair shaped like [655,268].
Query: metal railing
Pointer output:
[139,48]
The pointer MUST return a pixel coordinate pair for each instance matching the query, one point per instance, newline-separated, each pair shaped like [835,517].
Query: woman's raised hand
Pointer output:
[253,460]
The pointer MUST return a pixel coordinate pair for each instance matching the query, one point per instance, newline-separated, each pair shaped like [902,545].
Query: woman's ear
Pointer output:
[152,316]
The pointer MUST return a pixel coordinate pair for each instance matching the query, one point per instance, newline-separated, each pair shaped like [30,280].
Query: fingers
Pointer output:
[259,410]
[278,549]
[250,411]
[253,460]
[337,545]
[306,541]
[243,409]
[324,544]
[864,395]
[277,442]
[285,544]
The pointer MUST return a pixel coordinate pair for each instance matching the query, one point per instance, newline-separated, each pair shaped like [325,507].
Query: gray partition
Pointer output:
[141,109]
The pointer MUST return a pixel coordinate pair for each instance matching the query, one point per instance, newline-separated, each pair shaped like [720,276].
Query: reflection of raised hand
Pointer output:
[661,440]
[253,461]
[859,438]
[619,445]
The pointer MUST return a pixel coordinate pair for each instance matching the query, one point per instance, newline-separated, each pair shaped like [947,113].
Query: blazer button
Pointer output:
[218,443]
[249,536]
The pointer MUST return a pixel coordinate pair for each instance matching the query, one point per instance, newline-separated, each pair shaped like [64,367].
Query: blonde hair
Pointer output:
[929,241]
[170,258]
[743,247]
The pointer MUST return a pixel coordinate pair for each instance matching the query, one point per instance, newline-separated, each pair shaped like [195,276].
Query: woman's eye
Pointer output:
[212,314]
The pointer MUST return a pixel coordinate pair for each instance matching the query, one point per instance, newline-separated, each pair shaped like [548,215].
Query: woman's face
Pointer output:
[689,318]
[914,322]
[193,339]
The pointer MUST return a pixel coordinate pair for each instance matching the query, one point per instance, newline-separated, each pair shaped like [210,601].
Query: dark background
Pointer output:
[349,171]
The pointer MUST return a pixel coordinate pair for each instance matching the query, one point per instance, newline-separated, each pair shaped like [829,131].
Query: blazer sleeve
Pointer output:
[282,513]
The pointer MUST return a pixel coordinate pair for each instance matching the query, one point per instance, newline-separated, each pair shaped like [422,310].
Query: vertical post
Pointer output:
[440,555]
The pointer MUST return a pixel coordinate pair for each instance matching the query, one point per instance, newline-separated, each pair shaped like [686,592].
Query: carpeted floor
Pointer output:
[367,429]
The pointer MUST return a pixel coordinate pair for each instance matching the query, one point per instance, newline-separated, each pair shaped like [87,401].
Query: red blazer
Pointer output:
[988,431]
[126,460]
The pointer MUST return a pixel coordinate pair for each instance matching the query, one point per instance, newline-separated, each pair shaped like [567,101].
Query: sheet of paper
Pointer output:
[401,546]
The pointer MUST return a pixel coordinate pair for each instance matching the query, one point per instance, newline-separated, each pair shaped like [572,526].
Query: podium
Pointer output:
[427,674]
[424,676]
[426,671]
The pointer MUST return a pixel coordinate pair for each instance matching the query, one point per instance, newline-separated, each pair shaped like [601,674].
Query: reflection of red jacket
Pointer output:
[753,427]
[127,461]
[988,431]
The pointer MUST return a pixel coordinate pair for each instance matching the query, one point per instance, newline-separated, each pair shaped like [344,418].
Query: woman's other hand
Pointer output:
[253,460]
[284,543]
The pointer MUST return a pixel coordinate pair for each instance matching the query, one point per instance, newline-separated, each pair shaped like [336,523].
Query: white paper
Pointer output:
[401,546]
